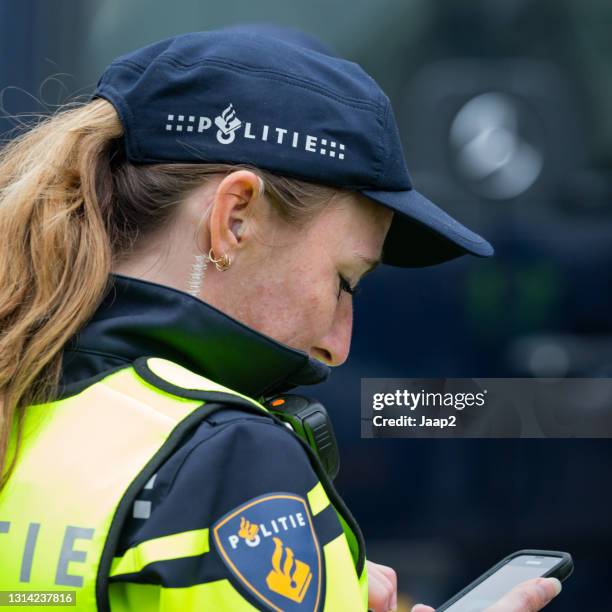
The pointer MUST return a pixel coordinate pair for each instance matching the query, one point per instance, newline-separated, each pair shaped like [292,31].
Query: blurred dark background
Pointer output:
[505,108]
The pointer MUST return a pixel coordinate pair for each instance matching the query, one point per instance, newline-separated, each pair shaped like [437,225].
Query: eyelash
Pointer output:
[346,286]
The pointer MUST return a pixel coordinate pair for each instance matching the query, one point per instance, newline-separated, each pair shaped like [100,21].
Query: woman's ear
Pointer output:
[232,207]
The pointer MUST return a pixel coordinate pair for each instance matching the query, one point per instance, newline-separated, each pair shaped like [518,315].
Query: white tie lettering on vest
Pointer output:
[67,549]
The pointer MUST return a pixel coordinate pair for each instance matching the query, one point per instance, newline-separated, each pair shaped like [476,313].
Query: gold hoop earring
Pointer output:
[223,263]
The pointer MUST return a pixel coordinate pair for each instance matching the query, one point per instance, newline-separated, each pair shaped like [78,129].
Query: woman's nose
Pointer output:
[333,348]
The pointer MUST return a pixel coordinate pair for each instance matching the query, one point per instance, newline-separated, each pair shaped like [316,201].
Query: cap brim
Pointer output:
[422,234]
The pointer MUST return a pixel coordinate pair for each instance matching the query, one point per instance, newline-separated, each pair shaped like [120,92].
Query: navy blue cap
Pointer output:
[286,33]
[239,96]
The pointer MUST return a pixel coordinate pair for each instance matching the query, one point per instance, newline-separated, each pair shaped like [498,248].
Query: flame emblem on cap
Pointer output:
[228,123]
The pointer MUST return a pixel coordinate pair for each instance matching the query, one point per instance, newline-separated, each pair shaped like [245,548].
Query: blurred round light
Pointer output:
[488,149]
[549,360]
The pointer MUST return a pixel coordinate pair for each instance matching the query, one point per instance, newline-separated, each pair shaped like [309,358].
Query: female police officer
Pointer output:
[140,469]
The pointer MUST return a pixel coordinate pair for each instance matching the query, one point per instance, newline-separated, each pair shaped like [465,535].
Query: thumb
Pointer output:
[528,596]
[422,608]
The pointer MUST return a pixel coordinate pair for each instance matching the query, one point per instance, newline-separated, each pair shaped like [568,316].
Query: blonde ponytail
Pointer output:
[54,253]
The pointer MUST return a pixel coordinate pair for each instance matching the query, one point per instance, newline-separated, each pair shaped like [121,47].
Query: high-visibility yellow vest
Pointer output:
[83,460]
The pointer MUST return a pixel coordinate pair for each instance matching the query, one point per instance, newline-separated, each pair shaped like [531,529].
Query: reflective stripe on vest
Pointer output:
[82,462]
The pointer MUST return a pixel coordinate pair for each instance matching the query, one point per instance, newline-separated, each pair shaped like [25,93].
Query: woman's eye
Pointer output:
[346,286]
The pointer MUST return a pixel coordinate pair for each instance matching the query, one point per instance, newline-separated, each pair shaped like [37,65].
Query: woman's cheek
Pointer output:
[322,310]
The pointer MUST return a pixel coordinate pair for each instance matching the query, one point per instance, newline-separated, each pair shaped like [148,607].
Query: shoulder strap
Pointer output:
[179,381]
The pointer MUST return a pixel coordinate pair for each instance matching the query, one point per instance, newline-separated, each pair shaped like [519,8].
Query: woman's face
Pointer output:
[291,284]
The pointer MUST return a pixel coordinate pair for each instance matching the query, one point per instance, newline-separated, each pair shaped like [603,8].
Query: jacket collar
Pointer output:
[139,318]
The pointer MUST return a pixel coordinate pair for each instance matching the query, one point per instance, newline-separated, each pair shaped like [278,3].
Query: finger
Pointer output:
[529,596]
[378,597]
[375,570]
[422,608]
[379,592]
[389,572]
[391,576]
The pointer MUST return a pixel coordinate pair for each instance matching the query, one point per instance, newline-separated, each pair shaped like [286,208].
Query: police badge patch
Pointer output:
[270,546]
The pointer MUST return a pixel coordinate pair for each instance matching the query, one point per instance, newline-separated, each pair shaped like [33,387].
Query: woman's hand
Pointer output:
[382,587]
[528,596]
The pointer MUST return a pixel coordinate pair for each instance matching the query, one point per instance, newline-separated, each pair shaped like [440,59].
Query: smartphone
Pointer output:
[501,578]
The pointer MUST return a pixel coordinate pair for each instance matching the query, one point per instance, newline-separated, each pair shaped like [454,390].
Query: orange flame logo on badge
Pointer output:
[248,530]
[293,578]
